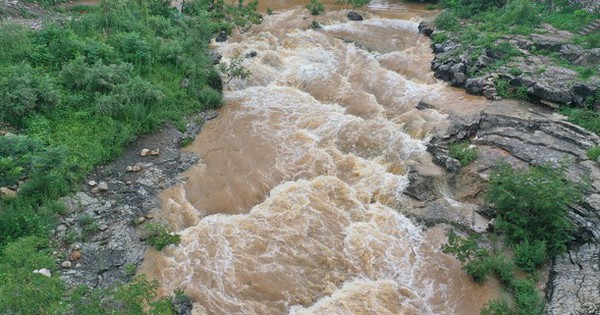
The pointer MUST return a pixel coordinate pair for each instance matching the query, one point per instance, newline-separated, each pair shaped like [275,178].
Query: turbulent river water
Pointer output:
[297,205]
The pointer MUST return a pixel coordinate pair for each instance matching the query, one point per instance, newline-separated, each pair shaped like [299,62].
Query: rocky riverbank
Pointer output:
[533,75]
[101,234]
[526,134]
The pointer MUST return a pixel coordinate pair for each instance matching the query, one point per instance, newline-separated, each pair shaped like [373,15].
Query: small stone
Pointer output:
[140,220]
[7,192]
[103,227]
[149,216]
[354,16]
[222,37]
[92,183]
[44,272]
[55,253]
[128,182]
[129,168]
[136,168]
[66,264]
[95,190]
[75,255]
[144,152]
[251,54]
[155,152]
[103,186]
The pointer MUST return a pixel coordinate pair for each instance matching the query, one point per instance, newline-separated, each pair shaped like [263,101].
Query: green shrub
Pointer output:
[447,21]
[464,152]
[315,7]
[593,153]
[527,299]
[586,118]
[532,205]
[529,256]
[24,90]
[497,307]
[159,236]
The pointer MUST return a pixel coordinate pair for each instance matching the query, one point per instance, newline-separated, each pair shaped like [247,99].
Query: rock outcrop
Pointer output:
[523,134]
[531,75]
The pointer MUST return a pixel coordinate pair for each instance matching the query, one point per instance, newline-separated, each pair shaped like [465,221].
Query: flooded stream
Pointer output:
[297,205]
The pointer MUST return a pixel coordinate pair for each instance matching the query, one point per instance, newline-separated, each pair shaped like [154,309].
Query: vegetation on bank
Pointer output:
[72,95]
[531,224]
[482,26]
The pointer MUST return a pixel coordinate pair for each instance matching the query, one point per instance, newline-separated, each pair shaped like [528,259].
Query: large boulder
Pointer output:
[426,28]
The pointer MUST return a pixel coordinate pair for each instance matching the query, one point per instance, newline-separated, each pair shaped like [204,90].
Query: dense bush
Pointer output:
[315,7]
[532,205]
[24,90]
[530,255]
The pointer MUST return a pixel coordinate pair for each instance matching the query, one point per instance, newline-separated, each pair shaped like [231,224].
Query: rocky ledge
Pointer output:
[523,134]
[101,230]
[530,75]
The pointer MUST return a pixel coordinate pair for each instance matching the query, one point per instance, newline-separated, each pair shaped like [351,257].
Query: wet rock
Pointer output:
[144,152]
[423,105]
[354,16]
[215,57]
[222,37]
[426,28]
[251,54]
[422,184]
[44,272]
[182,304]
[75,255]
[475,85]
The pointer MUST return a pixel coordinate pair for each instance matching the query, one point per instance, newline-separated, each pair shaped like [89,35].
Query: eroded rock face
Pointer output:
[575,282]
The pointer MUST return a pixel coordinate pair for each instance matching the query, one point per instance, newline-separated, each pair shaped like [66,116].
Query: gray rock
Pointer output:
[426,28]
[354,16]
[222,37]
[574,288]
[215,57]
[182,304]
[423,105]
[422,185]
[475,85]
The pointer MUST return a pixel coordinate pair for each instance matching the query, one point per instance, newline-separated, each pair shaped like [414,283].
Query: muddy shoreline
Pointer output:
[107,250]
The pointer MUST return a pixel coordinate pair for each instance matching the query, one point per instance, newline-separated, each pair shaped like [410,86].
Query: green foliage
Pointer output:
[532,205]
[586,118]
[466,8]
[24,90]
[464,152]
[529,256]
[315,7]
[593,153]
[159,236]
[527,299]
[186,141]
[234,69]
[447,21]
[497,307]
[21,290]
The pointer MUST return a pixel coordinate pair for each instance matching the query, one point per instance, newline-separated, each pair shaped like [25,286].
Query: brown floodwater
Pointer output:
[296,206]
